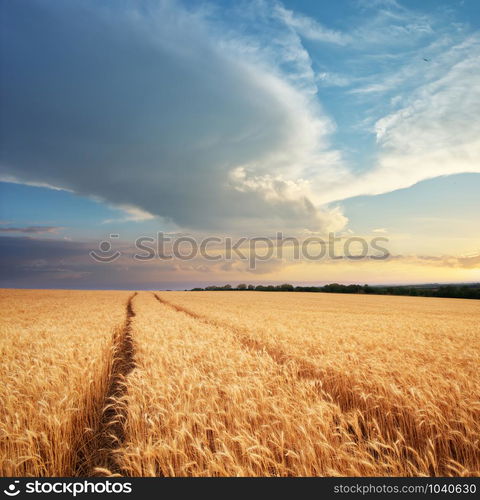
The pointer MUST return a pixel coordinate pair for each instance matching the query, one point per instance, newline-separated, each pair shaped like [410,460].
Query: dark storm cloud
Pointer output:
[137,103]
[51,263]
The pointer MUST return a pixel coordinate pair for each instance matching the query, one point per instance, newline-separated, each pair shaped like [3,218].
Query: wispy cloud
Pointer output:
[132,214]
[326,78]
[390,24]
[31,229]
[435,132]
[309,28]
[451,261]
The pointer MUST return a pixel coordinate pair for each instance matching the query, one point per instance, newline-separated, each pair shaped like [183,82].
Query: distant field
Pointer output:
[238,384]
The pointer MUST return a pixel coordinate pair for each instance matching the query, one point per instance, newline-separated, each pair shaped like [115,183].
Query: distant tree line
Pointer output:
[469,291]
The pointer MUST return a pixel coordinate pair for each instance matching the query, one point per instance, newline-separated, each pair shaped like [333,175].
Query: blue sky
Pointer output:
[131,117]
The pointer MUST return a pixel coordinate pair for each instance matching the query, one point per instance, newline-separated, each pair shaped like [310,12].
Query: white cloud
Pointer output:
[465,261]
[435,133]
[132,214]
[298,193]
[330,79]
[13,179]
[309,28]
[392,25]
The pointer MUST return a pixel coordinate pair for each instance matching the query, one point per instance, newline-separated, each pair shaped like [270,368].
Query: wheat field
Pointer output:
[56,349]
[238,384]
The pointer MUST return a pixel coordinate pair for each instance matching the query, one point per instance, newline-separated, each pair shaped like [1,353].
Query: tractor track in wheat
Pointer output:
[98,457]
[339,388]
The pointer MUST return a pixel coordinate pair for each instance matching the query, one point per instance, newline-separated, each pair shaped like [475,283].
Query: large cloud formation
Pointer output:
[184,114]
[143,105]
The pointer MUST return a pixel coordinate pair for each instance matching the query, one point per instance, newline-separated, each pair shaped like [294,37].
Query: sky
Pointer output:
[238,119]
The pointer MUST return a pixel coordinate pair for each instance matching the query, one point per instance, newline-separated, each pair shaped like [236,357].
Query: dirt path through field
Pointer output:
[382,417]
[99,459]
[378,420]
